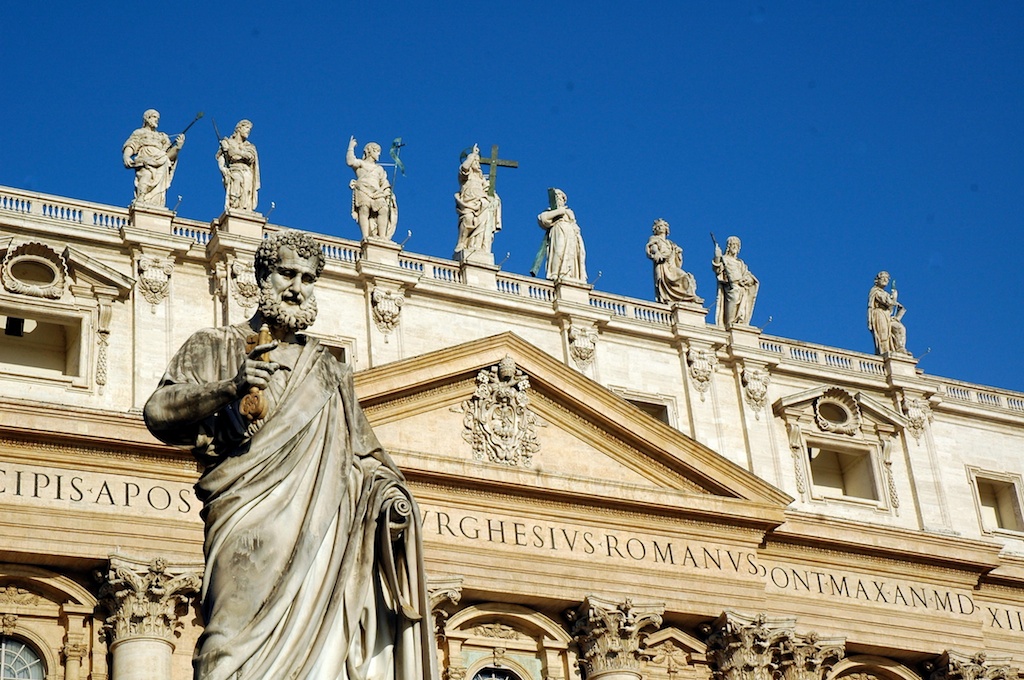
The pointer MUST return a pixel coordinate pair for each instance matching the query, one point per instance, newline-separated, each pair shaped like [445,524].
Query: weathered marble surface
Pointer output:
[373,202]
[240,167]
[737,287]
[153,157]
[566,254]
[885,316]
[479,212]
[671,283]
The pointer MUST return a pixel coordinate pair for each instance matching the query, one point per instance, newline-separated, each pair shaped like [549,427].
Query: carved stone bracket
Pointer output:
[498,422]
[919,414]
[443,592]
[809,657]
[155,278]
[953,665]
[582,345]
[755,388]
[610,635]
[387,306]
[146,599]
[8,622]
[243,285]
[702,363]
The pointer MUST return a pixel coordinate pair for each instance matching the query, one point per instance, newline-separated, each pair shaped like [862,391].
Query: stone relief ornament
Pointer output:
[582,344]
[36,270]
[755,388]
[837,411]
[244,287]
[155,278]
[147,600]
[498,422]
[702,364]
[890,481]
[610,635]
[8,623]
[387,305]
[497,630]
[799,449]
[16,595]
[919,414]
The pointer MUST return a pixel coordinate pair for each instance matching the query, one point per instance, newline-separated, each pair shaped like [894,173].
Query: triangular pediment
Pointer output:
[862,404]
[588,441]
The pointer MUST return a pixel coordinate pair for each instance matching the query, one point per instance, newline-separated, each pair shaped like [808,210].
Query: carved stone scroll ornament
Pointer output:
[809,657]
[387,306]
[702,364]
[36,270]
[244,287]
[953,665]
[155,278]
[498,421]
[146,600]
[919,414]
[755,388]
[444,594]
[582,344]
[610,635]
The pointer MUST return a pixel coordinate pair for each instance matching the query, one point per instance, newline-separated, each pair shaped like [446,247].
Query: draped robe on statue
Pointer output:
[303,579]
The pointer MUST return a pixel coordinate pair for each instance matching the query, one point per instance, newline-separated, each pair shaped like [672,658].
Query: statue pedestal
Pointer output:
[688,314]
[577,292]
[241,223]
[474,257]
[150,218]
[380,251]
[480,272]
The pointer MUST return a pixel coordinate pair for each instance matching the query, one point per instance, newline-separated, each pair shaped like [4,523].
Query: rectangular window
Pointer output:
[657,411]
[846,474]
[42,347]
[1000,505]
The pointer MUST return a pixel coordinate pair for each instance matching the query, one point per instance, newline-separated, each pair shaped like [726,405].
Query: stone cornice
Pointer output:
[900,545]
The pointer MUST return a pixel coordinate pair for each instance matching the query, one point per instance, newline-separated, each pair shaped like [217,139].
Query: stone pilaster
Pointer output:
[146,601]
[746,648]
[953,665]
[610,636]
[809,657]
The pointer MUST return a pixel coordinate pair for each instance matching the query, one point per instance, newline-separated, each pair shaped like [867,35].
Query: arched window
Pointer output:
[18,661]
[488,673]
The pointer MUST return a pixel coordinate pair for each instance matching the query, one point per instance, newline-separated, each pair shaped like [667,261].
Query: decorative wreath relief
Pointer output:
[498,423]
[836,411]
[36,270]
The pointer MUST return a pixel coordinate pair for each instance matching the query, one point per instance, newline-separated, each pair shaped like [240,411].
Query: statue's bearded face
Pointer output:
[286,295]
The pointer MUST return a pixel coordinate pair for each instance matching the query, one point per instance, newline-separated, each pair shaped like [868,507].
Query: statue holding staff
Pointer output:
[153,158]
[373,201]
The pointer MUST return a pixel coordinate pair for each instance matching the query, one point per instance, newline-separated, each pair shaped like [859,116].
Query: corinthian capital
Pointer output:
[809,657]
[610,634]
[147,599]
[953,665]
[746,648]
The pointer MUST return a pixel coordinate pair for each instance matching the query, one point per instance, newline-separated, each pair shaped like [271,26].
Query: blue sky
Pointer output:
[836,139]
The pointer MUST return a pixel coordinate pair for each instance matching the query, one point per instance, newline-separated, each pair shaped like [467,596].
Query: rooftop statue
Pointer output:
[153,157]
[566,255]
[479,211]
[671,283]
[314,564]
[885,316]
[737,287]
[240,167]
[373,201]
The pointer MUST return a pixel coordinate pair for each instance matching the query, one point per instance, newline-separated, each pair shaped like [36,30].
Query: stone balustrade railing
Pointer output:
[643,312]
[57,209]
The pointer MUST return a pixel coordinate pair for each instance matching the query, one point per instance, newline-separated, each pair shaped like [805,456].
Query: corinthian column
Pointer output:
[146,601]
[609,636]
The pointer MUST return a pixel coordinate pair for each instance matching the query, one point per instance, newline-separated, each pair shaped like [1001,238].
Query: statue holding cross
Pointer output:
[478,205]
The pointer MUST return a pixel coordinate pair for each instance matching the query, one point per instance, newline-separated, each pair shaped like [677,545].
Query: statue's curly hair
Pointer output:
[268,255]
